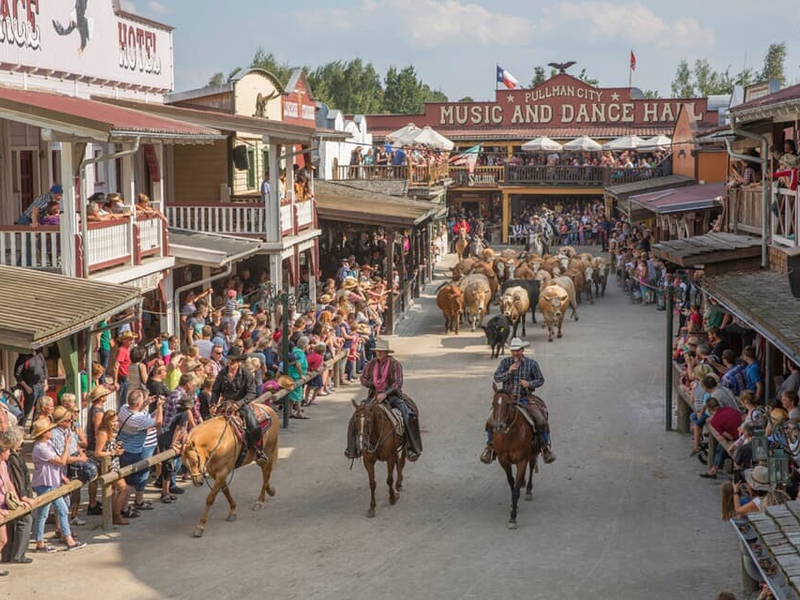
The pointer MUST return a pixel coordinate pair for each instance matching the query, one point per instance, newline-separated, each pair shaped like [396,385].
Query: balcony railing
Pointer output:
[745,209]
[108,244]
[568,175]
[480,176]
[785,217]
[379,172]
[428,175]
[38,248]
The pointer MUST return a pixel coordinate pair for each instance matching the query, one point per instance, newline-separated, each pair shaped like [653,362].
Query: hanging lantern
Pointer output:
[778,465]
[760,446]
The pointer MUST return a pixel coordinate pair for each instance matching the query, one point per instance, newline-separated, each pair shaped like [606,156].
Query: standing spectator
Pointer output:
[753,373]
[172,437]
[315,359]
[734,377]
[204,397]
[30,371]
[106,446]
[122,363]
[103,343]
[20,528]
[47,466]
[203,343]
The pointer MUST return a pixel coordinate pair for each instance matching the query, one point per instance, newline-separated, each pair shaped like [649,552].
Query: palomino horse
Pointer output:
[513,442]
[377,440]
[211,450]
[462,243]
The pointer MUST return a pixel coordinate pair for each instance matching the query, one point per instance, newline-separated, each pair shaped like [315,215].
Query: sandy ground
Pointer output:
[621,514]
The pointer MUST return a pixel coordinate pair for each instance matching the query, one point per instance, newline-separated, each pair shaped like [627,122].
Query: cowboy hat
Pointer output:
[325,298]
[517,344]
[60,414]
[193,364]
[126,335]
[758,478]
[235,353]
[364,328]
[382,345]
[349,282]
[286,382]
[98,393]
[41,426]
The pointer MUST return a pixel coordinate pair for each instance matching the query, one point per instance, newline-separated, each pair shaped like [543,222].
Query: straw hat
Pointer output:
[382,345]
[61,414]
[758,478]
[517,344]
[42,426]
[286,382]
[349,282]
[126,335]
[325,298]
[193,364]
[98,393]
[364,329]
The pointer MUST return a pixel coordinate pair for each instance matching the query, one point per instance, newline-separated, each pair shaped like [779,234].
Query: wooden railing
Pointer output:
[239,218]
[745,206]
[428,175]
[575,175]
[108,244]
[480,176]
[151,236]
[38,248]
[785,216]
[379,172]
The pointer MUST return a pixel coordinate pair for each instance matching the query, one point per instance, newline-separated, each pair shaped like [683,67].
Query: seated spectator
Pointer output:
[726,421]
[792,382]
[734,377]
[755,487]
[789,403]
[722,394]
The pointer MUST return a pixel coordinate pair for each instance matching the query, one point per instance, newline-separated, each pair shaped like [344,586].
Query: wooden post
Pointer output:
[68,350]
[107,495]
[506,216]
[390,282]
[401,272]
[668,359]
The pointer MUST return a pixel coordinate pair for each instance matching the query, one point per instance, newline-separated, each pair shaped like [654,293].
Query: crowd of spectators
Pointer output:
[386,159]
[627,159]
[148,394]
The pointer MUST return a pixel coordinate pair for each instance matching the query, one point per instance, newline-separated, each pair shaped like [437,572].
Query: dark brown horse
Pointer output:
[377,440]
[513,442]
[211,451]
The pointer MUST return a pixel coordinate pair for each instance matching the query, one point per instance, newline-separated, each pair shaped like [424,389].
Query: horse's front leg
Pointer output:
[401,463]
[212,495]
[515,488]
[231,503]
[390,477]
[369,465]
[529,487]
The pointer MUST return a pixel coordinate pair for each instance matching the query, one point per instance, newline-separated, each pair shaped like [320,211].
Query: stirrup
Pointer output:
[488,456]
[548,455]
[262,460]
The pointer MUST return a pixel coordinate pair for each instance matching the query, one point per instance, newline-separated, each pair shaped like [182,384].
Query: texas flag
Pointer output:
[506,78]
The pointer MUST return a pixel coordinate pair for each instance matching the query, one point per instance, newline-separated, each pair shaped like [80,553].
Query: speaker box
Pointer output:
[793,264]
[240,160]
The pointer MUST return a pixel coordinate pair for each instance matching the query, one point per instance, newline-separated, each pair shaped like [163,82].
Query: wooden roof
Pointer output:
[763,300]
[700,250]
[339,202]
[210,249]
[39,308]
[648,185]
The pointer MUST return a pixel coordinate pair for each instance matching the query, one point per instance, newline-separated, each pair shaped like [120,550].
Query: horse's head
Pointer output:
[502,411]
[363,421]
[190,458]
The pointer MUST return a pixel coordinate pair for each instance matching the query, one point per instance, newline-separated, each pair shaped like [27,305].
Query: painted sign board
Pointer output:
[92,40]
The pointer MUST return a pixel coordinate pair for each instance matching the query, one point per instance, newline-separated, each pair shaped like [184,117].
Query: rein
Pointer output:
[513,405]
[203,471]
[368,433]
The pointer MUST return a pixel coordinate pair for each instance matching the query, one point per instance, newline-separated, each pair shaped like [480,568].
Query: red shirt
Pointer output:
[124,360]
[314,360]
[727,420]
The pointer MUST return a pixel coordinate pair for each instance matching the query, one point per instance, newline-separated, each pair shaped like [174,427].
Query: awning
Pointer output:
[88,119]
[624,191]
[276,130]
[336,202]
[210,249]
[780,106]
[764,301]
[703,250]
[681,199]
[39,308]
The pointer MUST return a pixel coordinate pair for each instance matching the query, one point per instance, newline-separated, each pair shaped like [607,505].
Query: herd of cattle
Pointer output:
[520,282]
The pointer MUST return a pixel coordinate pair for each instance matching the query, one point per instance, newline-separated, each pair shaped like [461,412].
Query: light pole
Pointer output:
[274,298]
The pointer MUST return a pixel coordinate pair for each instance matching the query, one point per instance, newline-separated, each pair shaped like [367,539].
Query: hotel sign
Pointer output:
[95,41]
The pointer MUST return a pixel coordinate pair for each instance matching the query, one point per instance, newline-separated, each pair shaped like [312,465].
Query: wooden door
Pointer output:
[26,178]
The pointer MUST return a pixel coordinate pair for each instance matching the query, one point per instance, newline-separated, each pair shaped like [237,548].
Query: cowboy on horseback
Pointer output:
[383,377]
[238,386]
[520,376]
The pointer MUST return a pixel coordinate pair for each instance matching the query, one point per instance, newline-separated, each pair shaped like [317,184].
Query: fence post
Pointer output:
[337,373]
[668,361]
[107,495]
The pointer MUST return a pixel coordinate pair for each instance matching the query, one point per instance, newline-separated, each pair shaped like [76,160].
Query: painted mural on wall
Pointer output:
[89,38]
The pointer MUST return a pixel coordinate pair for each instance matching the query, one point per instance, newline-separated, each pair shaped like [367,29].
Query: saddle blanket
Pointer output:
[264,423]
[395,418]
[526,415]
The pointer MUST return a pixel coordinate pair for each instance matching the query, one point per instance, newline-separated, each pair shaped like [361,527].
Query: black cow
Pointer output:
[497,330]
[529,285]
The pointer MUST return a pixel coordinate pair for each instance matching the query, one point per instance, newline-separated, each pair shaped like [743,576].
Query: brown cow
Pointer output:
[553,302]
[524,272]
[450,300]
[487,269]
[568,250]
[514,304]
[463,267]
[566,283]
[577,280]
[477,297]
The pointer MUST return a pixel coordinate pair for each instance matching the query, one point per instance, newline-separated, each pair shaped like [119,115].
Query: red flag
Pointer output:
[633,61]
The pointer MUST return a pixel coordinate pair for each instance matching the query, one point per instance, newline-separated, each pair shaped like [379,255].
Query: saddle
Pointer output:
[395,418]
[231,414]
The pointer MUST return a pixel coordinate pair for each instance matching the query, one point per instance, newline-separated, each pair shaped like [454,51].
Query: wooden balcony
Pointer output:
[574,176]
[785,217]
[108,244]
[416,175]
[745,209]
[245,216]
[480,176]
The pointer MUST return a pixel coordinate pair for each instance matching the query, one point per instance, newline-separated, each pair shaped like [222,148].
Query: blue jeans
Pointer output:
[102,354]
[698,421]
[719,456]
[40,514]
[124,384]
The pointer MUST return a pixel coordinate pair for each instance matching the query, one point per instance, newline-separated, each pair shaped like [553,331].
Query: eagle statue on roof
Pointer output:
[562,67]
[77,20]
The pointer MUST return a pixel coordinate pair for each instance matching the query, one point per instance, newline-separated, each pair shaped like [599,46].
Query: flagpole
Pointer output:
[630,69]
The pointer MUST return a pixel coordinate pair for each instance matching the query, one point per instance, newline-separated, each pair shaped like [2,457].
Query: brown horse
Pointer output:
[377,440]
[462,244]
[513,442]
[211,451]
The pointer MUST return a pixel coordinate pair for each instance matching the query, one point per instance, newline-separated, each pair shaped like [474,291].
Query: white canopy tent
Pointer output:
[626,142]
[541,144]
[583,144]
[429,137]
[399,136]
[659,142]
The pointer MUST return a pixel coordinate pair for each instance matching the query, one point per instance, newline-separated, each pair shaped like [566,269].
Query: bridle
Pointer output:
[502,403]
[364,430]
[202,468]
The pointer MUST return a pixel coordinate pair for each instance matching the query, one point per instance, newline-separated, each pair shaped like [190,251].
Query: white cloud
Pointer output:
[432,23]
[636,24]
[128,6]
[157,8]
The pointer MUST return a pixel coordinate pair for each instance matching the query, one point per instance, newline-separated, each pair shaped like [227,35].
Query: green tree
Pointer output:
[651,94]
[586,79]
[707,81]
[538,76]
[352,87]
[219,78]
[466,99]
[268,62]
[682,86]
[745,77]
[773,63]
[403,92]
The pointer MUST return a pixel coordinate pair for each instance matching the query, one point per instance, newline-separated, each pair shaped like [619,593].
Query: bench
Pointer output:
[714,438]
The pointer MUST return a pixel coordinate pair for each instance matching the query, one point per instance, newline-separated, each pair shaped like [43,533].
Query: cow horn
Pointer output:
[353,402]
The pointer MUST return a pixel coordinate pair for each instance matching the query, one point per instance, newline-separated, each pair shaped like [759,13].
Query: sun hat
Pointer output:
[98,393]
[41,426]
[517,344]
[193,364]
[382,345]
[286,382]
[61,414]
[126,335]
[325,298]
[758,478]
[364,328]
[349,282]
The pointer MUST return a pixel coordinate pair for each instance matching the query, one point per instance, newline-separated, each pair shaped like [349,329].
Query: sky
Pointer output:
[454,45]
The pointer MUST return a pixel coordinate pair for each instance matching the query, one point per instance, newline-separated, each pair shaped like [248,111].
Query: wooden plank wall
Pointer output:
[200,170]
